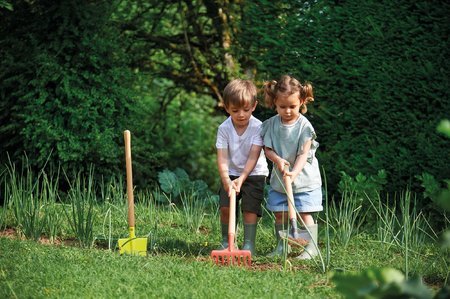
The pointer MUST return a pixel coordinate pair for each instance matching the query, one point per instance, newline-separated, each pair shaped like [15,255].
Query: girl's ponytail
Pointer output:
[306,95]
[269,93]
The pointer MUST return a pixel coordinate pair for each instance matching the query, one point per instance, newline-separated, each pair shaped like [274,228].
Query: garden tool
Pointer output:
[294,236]
[231,255]
[131,245]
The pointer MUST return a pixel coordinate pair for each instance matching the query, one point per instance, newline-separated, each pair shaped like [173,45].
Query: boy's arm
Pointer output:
[253,157]
[300,161]
[222,165]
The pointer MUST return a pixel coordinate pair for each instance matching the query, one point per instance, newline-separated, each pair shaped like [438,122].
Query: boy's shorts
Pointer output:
[305,202]
[252,194]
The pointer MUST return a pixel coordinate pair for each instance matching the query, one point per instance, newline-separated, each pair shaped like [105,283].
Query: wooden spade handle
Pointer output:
[127,137]
[290,195]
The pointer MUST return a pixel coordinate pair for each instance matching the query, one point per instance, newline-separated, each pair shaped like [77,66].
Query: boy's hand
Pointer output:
[227,185]
[236,184]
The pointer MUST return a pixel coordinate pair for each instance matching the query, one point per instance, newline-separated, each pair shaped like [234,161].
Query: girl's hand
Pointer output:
[292,174]
[281,165]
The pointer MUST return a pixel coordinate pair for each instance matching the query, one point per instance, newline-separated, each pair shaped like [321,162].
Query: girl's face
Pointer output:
[288,108]
[240,115]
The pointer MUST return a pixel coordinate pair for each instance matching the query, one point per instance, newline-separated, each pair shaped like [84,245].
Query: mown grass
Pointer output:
[32,270]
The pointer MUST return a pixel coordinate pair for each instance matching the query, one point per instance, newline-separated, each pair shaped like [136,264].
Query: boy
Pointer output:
[240,159]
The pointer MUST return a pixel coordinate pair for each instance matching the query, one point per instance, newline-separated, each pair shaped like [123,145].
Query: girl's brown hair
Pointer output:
[285,87]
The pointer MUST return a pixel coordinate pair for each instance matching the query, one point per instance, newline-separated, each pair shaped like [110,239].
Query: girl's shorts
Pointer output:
[305,202]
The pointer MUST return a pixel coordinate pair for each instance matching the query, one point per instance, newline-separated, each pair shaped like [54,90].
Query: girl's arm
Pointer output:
[222,165]
[300,161]
[277,160]
[253,157]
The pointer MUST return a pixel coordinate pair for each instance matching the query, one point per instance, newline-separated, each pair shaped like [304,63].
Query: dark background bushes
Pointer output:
[75,75]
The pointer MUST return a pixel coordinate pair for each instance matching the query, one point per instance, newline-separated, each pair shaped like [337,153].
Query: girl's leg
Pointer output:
[281,220]
[311,250]
[307,218]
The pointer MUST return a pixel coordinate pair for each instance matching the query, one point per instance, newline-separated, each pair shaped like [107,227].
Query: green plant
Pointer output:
[345,216]
[380,283]
[51,210]
[24,193]
[176,183]
[81,215]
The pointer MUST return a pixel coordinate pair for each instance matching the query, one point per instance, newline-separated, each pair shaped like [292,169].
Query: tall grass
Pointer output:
[81,197]
[24,196]
[51,216]
[192,210]
[345,217]
[405,227]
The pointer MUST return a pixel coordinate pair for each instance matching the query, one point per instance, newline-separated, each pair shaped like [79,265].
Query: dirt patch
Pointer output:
[8,233]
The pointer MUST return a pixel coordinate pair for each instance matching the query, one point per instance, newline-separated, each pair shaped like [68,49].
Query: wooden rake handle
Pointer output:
[289,195]
[232,219]
[127,137]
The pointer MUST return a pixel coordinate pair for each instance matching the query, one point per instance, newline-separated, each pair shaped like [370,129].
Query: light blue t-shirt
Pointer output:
[287,141]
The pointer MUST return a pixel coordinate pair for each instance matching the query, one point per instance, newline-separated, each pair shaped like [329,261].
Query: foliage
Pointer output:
[81,213]
[6,4]
[177,183]
[444,127]
[380,283]
[187,42]
[174,129]
[65,90]
[379,85]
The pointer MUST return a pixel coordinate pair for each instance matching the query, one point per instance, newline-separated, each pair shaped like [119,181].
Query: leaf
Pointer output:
[169,182]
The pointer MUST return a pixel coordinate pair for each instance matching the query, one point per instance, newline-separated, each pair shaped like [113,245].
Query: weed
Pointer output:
[81,197]
[24,194]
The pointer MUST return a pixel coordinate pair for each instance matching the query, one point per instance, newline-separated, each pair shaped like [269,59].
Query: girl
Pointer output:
[289,139]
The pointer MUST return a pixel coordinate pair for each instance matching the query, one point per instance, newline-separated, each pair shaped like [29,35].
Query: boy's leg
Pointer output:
[224,212]
[250,224]
[252,191]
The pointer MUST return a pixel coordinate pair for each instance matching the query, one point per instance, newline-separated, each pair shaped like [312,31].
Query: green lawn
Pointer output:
[32,270]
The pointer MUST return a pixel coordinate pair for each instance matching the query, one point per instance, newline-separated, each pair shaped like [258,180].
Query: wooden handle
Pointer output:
[127,137]
[290,195]
[232,213]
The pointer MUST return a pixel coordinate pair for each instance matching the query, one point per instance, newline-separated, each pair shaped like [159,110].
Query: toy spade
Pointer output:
[131,245]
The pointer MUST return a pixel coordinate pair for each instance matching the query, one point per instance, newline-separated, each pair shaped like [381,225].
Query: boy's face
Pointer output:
[288,108]
[240,115]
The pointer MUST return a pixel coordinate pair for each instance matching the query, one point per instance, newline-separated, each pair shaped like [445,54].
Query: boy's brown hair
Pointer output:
[239,93]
